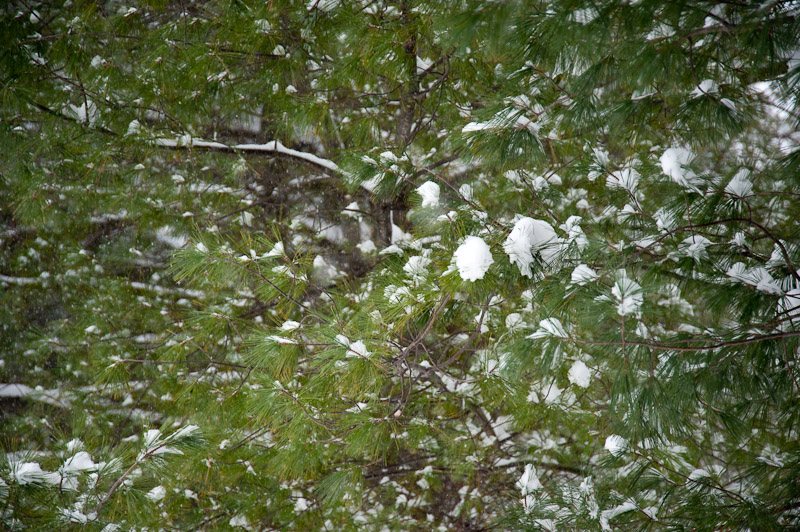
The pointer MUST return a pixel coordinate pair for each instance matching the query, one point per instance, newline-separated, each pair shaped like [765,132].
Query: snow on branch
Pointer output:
[53,397]
[273,146]
[162,290]
[21,281]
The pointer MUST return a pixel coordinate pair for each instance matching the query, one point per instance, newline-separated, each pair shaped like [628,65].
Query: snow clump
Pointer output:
[529,236]
[579,374]
[740,186]
[473,258]
[514,321]
[695,247]
[156,494]
[757,276]
[706,87]
[583,274]
[31,473]
[616,445]
[674,162]
[72,467]
[528,483]
[430,194]
[628,294]
[626,179]
[417,266]
[549,327]
[239,520]
[355,349]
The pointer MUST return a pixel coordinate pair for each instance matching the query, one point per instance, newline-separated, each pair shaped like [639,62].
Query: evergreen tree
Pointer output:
[403,265]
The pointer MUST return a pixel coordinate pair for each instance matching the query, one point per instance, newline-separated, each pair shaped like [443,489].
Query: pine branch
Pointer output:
[274,147]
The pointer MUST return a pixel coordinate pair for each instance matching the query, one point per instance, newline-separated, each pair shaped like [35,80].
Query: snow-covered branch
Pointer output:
[53,397]
[273,146]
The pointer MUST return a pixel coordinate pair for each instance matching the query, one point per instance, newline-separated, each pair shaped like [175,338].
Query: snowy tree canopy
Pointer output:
[399,265]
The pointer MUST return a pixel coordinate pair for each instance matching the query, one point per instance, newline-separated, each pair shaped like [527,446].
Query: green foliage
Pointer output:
[360,265]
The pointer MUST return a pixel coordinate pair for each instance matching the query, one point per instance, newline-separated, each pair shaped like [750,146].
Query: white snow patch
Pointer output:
[582,274]
[505,119]
[323,273]
[86,112]
[75,515]
[551,393]
[155,444]
[352,210]
[167,235]
[355,349]
[605,515]
[628,294]
[583,16]
[529,481]
[393,249]
[674,163]
[626,179]
[262,25]
[276,251]
[81,461]
[697,474]
[706,87]
[758,277]
[790,304]
[134,127]
[423,65]
[281,340]
[579,374]
[367,246]
[239,520]
[473,258]
[695,247]
[740,185]
[665,220]
[290,325]
[575,234]
[359,349]
[21,281]
[53,397]
[300,505]
[527,237]
[417,266]
[322,5]
[549,327]
[156,494]
[399,236]
[430,194]
[31,473]
[616,445]
[514,321]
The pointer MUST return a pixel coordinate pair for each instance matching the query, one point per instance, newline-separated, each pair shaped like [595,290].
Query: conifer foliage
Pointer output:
[398,265]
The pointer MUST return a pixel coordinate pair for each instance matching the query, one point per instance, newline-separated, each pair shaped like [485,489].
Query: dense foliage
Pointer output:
[377,265]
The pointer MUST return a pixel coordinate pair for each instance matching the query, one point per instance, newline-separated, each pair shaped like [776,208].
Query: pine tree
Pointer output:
[401,265]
